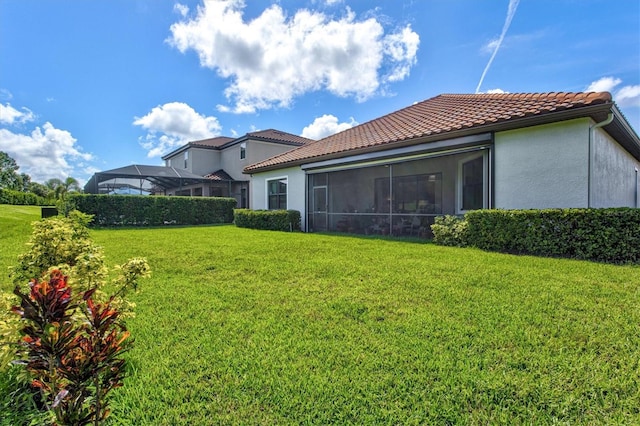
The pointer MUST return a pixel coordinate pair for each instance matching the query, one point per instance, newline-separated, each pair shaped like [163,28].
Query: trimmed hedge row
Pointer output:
[142,210]
[603,235]
[271,220]
[8,196]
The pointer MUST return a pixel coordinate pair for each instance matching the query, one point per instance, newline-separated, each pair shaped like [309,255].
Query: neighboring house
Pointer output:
[209,167]
[455,153]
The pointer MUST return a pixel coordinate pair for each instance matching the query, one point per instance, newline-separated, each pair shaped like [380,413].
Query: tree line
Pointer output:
[51,189]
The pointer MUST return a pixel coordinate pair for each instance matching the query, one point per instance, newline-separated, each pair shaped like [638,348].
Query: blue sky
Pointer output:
[94,85]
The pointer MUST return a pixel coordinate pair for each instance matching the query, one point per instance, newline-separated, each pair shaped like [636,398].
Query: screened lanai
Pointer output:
[397,197]
[142,180]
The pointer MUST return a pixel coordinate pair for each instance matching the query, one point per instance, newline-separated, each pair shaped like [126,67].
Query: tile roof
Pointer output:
[213,142]
[437,118]
[219,175]
[223,142]
[280,136]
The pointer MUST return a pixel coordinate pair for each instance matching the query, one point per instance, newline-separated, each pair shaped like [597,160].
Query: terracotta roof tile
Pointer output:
[278,135]
[219,175]
[436,116]
[213,142]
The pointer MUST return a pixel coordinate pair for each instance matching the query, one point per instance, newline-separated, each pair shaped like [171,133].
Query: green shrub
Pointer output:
[8,196]
[63,243]
[270,220]
[132,210]
[74,364]
[603,235]
[450,231]
[71,340]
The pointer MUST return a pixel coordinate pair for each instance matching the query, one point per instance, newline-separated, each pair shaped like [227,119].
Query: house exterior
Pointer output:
[222,159]
[455,153]
[209,167]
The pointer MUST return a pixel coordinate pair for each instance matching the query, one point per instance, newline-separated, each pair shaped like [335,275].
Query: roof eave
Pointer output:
[596,112]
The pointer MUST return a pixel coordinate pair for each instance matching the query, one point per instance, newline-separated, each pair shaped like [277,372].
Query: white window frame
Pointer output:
[485,179]
[266,186]
[186,158]
[243,151]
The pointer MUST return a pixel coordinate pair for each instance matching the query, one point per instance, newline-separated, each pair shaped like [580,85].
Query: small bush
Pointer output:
[74,364]
[63,243]
[450,231]
[270,220]
[73,335]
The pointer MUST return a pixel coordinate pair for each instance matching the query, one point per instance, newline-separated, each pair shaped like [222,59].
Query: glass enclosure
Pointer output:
[399,199]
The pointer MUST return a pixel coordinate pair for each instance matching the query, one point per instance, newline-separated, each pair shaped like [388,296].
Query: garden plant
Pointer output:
[65,331]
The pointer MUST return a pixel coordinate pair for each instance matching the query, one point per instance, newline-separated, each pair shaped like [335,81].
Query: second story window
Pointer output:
[186,158]
[243,151]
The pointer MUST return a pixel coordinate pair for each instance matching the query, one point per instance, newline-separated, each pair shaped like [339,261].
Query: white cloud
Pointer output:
[174,124]
[43,154]
[326,125]
[181,9]
[605,84]
[626,96]
[5,95]
[274,58]
[10,116]
[498,90]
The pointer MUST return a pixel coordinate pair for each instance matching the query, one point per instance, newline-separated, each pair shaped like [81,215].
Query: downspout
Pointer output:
[608,120]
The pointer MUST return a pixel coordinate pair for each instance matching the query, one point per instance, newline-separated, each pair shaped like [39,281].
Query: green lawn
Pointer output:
[239,326]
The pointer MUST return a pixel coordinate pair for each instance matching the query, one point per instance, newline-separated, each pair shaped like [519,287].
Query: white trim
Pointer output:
[404,153]
[485,180]
[396,160]
[266,187]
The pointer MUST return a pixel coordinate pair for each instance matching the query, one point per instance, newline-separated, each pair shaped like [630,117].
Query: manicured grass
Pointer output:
[240,326]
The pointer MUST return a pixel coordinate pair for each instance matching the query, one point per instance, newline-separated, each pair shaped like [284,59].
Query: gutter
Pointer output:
[608,120]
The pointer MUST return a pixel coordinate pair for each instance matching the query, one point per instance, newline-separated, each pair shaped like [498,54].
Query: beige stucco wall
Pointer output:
[199,161]
[542,166]
[204,161]
[256,151]
[614,180]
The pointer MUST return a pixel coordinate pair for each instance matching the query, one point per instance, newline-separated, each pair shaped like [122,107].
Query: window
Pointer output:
[472,181]
[243,151]
[186,157]
[277,193]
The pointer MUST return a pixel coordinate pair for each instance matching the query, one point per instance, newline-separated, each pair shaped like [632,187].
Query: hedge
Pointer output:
[271,220]
[144,210]
[604,235]
[8,196]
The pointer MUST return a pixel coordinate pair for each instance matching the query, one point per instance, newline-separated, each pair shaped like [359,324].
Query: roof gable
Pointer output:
[445,116]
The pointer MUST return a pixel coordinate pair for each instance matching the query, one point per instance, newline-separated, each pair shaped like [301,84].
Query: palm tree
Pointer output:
[60,188]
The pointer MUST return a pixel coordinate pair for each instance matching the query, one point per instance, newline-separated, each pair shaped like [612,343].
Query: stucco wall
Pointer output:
[256,152]
[295,189]
[542,166]
[614,178]
[203,161]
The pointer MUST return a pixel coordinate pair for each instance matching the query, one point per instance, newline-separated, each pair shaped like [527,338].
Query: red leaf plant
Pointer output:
[74,364]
